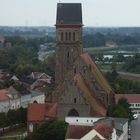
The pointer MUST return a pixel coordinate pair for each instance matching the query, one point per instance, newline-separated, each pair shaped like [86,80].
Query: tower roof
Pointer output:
[69,13]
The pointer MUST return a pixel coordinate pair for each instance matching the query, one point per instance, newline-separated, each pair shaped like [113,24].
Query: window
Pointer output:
[62,36]
[66,36]
[69,36]
[68,54]
[73,36]
[75,70]
[74,100]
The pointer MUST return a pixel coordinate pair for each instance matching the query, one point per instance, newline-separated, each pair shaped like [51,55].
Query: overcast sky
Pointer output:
[95,12]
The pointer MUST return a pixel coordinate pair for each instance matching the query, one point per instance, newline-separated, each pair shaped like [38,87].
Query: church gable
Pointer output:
[72,95]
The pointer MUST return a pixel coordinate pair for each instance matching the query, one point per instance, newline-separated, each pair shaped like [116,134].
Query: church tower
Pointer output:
[68,38]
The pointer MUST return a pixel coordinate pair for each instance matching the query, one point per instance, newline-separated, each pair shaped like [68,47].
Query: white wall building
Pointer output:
[11,99]
[118,127]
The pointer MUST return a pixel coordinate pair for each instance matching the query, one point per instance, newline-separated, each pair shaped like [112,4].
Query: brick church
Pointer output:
[81,90]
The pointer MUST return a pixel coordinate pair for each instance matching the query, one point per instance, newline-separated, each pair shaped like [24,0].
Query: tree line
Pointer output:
[13,117]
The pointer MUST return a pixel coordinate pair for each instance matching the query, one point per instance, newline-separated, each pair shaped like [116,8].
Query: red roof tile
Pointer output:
[3,95]
[39,112]
[131,98]
[77,131]
[104,130]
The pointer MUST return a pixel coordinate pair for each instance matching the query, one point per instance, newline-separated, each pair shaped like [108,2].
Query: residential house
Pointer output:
[38,113]
[83,128]
[33,97]
[9,99]
[133,99]
[41,80]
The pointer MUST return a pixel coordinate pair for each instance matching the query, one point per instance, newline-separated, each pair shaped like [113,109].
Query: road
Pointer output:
[135,129]
[124,73]
[129,74]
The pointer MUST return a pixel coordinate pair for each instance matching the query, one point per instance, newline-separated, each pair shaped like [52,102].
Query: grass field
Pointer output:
[136,79]
[15,132]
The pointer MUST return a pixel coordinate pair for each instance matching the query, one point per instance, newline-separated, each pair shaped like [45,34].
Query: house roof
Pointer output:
[39,75]
[69,13]
[99,132]
[97,73]
[93,135]
[131,98]
[8,93]
[77,131]
[14,78]
[104,129]
[3,95]
[39,112]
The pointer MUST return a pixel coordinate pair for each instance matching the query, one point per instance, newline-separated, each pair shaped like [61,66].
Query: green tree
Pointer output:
[51,130]
[3,119]
[122,109]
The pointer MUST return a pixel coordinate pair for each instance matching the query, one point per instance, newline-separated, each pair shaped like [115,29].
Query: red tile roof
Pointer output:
[131,98]
[3,95]
[104,130]
[39,112]
[77,131]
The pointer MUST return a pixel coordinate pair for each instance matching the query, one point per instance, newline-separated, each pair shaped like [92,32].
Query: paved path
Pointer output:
[124,73]
[135,129]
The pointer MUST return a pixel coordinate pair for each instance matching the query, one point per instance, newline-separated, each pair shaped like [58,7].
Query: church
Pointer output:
[81,89]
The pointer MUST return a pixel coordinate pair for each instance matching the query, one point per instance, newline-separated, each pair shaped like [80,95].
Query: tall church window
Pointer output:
[69,36]
[73,36]
[68,54]
[75,70]
[66,36]
[62,36]
[74,100]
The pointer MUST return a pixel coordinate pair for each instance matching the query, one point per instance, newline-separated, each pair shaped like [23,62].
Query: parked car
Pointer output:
[135,116]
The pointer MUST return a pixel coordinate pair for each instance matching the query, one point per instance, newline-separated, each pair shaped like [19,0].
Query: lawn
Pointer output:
[15,132]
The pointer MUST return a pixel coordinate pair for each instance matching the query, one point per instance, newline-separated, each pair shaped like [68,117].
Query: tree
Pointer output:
[3,120]
[122,109]
[51,130]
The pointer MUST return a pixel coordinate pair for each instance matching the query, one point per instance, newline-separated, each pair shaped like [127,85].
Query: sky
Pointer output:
[99,13]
